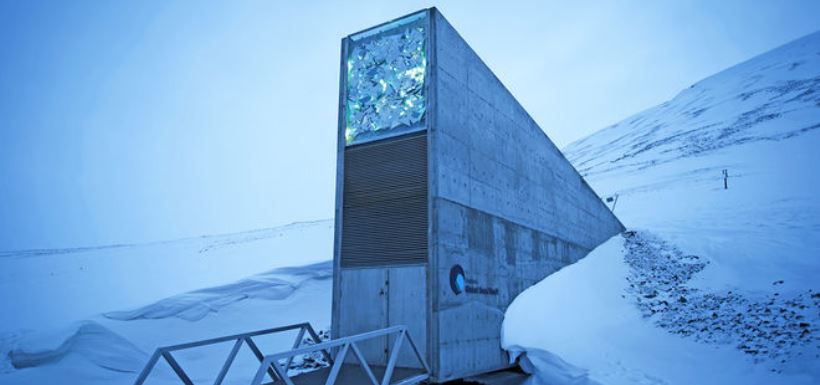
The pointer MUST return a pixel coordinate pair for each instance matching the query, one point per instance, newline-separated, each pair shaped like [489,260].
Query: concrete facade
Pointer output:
[505,208]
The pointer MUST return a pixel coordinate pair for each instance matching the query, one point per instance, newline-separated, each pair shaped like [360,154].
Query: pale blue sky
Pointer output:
[129,122]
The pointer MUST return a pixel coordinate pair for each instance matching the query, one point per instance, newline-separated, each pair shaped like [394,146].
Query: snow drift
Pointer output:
[88,339]
[49,288]
[712,285]
[114,342]
[275,285]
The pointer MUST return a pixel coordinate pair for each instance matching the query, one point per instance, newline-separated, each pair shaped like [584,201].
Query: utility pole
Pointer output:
[725,179]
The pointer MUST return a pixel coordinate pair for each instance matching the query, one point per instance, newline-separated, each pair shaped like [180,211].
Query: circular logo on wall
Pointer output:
[457,279]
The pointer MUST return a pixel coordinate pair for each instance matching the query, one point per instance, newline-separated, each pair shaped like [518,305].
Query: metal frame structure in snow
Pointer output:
[276,365]
[239,340]
[342,347]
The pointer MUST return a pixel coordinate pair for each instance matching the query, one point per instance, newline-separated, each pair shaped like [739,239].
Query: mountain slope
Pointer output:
[708,280]
[771,97]
[758,121]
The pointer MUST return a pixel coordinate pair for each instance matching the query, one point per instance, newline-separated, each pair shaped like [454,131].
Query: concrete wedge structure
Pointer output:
[450,199]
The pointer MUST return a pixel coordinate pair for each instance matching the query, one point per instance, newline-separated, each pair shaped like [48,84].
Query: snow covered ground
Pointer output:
[708,286]
[94,315]
[712,286]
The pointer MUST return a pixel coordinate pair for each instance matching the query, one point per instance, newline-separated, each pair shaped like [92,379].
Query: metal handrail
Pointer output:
[345,344]
[240,339]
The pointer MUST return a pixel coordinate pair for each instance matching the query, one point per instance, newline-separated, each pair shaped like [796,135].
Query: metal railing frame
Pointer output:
[239,340]
[344,345]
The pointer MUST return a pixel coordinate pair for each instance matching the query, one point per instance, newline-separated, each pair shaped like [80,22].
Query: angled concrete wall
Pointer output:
[503,210]
[507,207]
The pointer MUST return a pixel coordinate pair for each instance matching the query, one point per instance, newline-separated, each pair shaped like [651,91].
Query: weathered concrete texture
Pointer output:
[500,259]
[507,207]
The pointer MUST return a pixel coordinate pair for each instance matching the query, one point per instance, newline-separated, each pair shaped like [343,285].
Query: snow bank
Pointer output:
[109,349]
[42,289]
[722,286]
[173,292]
[275,285]
[92,341]
[583,316]
[546,368]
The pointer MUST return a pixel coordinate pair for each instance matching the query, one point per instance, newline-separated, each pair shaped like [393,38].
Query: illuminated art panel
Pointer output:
[386,72]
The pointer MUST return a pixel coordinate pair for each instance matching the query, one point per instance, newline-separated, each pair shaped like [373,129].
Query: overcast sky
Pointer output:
[135,121]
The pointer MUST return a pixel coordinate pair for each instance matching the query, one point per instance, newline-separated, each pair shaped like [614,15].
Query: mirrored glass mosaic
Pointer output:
[385,83]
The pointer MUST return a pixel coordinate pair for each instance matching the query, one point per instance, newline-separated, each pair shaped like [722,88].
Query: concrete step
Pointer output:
[503,377]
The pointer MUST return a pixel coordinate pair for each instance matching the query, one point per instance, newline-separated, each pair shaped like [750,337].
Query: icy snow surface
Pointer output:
[94,315]
[710,286]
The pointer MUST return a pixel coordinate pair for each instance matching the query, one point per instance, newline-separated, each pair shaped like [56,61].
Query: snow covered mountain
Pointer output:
[711,285]
[772,97]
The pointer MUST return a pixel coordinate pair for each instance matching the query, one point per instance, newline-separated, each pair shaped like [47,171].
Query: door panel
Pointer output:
[363,308]
[407,305]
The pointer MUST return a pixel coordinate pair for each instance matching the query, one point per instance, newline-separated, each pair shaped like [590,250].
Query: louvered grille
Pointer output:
[384,219]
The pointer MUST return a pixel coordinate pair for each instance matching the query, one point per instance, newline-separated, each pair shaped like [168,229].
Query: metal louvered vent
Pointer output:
[384,218]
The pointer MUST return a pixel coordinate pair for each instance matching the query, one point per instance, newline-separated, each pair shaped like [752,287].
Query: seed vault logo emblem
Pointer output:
[457,279]
[461,284]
